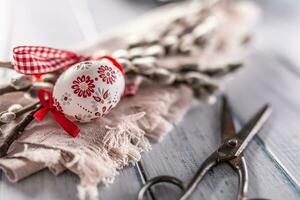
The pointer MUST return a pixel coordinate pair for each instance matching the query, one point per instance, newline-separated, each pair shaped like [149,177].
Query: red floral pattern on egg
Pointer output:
[83,86]
[77,117]
[101,95]
[98,114]
[57,106]
[107,74]
[110,107]
[103,109]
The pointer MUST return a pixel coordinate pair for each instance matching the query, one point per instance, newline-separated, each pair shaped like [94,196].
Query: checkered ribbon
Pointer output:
[40,60]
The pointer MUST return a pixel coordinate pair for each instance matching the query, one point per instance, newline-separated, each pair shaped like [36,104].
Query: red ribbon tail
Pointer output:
[40,114]
[66,124]
[59,117]
[115,62]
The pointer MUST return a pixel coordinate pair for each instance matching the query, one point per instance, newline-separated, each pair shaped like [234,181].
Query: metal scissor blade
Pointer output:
[251,128]
[227,124]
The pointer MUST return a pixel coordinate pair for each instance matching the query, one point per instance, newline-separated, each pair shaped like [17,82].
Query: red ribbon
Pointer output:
[59,117]
[41,60]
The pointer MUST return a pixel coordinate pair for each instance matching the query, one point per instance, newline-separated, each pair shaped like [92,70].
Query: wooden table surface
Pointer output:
[272,74]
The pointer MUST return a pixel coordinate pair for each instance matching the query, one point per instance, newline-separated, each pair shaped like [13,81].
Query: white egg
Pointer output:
[89,89]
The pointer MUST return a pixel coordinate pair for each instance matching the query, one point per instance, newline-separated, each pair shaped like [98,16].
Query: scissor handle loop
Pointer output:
[159,179]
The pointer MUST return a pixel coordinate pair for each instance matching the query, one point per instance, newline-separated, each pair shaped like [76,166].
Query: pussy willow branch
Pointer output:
[23,110]
[31,108]
[17,131]
[4,89]
[8,65]
[193,31]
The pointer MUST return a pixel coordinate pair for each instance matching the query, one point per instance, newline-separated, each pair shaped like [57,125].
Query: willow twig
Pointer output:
[27,108]
[17,131]
[23,110]
[6,65]
[9,88]
[6,89]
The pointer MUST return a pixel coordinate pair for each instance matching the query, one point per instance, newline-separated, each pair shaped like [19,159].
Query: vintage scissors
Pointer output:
[230,151]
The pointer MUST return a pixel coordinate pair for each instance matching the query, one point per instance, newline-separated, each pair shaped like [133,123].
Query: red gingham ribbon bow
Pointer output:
[59,117]
[40,60]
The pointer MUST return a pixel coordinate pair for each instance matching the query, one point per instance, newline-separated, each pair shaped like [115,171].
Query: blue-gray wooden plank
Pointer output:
[182,152]
[46,186]
[276,159]
[276,82]
[279,28]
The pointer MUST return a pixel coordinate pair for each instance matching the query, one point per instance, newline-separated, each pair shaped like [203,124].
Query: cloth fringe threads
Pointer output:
[103,147]
[122,145]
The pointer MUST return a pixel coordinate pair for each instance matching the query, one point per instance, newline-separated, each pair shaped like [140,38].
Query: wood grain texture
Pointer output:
[186,147]
[275,82]
[46,186]
[279,28]
[272,157]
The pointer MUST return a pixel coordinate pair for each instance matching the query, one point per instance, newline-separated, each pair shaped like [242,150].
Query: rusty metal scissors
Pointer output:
[230,151]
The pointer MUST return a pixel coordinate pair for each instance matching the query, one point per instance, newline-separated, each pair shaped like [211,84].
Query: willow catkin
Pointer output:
[20,81]
[180,37]
[7,116]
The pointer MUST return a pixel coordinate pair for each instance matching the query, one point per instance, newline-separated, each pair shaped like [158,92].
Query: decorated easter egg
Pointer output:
[89,89]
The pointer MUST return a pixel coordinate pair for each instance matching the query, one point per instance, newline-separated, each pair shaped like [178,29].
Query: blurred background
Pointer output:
[65,23]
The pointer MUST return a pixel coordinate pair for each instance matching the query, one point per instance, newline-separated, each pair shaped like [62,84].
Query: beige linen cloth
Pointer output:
[117,139]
